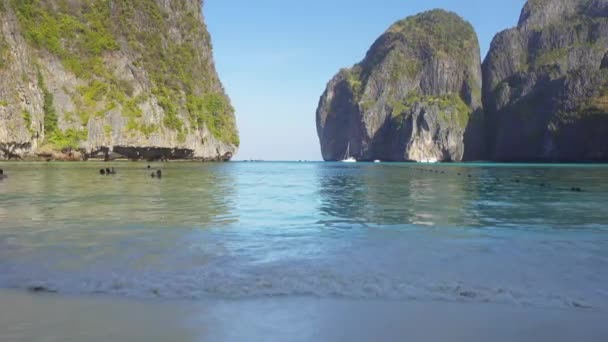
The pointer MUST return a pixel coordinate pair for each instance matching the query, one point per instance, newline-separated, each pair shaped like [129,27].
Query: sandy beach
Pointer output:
[48,317]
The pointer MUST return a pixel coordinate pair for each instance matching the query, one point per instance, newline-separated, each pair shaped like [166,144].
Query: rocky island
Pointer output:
[546,84]
[90,78]
[415,97]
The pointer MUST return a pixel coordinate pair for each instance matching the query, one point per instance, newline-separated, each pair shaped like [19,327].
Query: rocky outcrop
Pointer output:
[545,85]
[94,77]
[415,96]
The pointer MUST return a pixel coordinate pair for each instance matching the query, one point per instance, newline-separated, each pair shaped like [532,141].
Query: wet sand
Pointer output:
[49,317]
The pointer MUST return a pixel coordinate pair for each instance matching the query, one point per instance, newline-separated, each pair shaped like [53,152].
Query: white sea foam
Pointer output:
[410,266]
[294,284]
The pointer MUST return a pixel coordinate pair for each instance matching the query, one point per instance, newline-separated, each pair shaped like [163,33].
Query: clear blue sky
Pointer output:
[275,58]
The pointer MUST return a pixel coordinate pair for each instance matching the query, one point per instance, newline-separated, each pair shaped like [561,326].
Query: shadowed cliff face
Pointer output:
[546,84]
[341,129]
[97,75]
[413,97]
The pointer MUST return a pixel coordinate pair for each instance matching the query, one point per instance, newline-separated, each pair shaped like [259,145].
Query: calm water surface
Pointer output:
[363,231]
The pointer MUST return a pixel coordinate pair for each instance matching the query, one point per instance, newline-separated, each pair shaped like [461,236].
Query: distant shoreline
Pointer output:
[469,163]
[113,161]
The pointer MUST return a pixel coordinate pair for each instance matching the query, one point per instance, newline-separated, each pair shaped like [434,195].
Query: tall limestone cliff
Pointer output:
[546,84]
[416,95]
[91,77]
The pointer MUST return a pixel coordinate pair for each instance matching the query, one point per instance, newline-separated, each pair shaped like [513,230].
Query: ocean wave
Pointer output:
[254,284]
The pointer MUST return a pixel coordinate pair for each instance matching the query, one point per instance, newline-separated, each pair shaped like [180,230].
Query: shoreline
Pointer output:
[468,163]
[101,160]
[37,316]
[149,154]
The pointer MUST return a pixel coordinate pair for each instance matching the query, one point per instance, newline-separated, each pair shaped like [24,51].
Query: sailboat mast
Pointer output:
[347,152]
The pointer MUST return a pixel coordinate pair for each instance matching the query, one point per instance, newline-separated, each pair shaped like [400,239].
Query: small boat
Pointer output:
[347,157]
[377,161]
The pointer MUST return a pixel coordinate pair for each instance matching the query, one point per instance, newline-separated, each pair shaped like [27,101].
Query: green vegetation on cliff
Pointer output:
[596,105]
[451,107]
[439,31]
[85,35]
[4,51]
[178,69]
[78,40]
[55,138]
[444,35]
[599,104]
[411,98]
[68,140]
[406,46]
[27,120]
[545,95]
[353,79]
[210,109]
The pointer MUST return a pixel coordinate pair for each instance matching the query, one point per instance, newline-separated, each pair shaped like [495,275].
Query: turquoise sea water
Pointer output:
[514,234]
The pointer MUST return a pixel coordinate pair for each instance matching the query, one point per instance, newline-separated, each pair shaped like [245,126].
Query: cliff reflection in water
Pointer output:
[52,196]
[457,195]
[257,197]
[393,194]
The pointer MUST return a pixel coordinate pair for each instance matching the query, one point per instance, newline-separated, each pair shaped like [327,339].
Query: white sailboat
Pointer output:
[347,157]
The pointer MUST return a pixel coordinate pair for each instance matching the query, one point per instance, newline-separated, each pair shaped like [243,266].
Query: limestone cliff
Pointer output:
[94,76]
[415,96]
[546,84]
